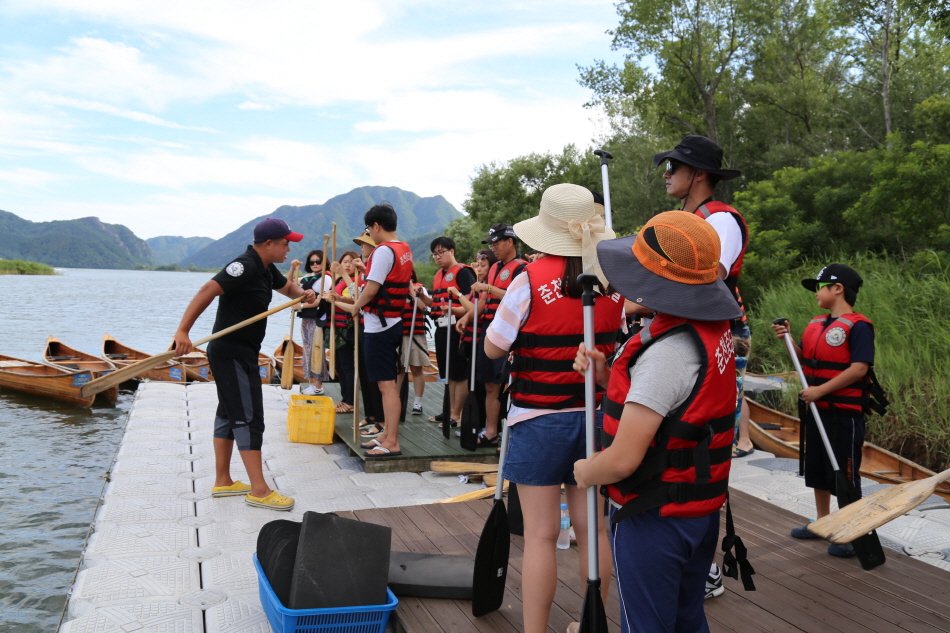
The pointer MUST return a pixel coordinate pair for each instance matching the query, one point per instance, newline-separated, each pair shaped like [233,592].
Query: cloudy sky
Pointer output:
[193,117]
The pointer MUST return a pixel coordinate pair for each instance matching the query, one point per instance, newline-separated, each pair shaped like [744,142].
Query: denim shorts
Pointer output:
[542,450]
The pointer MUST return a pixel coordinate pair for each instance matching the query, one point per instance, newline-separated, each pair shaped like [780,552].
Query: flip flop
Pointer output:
[738,452]
[385,452]
[373,443]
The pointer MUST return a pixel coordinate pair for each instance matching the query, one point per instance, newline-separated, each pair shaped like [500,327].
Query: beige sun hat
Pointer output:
[568,225]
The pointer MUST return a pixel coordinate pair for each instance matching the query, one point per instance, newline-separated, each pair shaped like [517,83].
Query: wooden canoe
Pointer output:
[40,379]
[123,355]
[265,365]
[298,359]
[71,359]
[777,433]
[195,364]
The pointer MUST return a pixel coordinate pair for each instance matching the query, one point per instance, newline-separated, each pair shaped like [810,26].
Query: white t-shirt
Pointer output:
[383,260]
[730,238]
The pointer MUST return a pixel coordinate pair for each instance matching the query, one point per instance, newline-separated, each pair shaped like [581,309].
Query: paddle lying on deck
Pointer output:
[131,371]
[447,394]
[593,616]
[471,412]
[857,519]
[491,556]
[287,375]
[462,468]
[868,547]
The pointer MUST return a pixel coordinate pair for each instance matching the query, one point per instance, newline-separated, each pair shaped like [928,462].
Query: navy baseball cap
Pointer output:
[274,229]
[500,231]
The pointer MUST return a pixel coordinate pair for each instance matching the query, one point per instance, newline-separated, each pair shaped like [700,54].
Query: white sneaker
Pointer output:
[311,390]
[714,586]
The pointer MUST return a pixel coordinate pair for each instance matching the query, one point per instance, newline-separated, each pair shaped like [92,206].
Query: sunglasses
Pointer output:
[316,262]
[671,167]
[823,284]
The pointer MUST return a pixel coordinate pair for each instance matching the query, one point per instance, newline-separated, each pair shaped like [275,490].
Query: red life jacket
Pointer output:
[543,375]
[500,276]
[826,352]
[390,300]
[342,318]
[685,472]
[443,280]
[732,277]
[467,335]
[420,326]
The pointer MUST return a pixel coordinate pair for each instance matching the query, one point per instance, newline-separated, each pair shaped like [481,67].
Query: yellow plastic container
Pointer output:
[311,419]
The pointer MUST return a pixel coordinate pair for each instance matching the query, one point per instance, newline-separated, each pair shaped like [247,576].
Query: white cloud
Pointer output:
[105,108]
[27,178]
[252,105]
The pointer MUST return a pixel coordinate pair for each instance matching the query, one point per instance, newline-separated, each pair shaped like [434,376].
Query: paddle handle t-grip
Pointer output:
[587,282]
[790,346]
[604,157]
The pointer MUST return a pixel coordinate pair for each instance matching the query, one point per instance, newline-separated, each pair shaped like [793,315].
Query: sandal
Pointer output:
[372,431]
[435,418]
[385,452]
[451,423]
[373,443]
[484,442]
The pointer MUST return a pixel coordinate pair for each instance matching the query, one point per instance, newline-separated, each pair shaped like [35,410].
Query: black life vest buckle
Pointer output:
[679,492]
[681,459]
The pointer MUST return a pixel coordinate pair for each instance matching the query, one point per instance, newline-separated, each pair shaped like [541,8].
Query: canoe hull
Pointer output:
[68,358]
[877,464]
[298,360]
[265,365]
[123,355]
[45,381]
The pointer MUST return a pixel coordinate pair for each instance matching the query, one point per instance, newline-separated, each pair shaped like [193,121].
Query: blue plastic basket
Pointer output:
[366,619]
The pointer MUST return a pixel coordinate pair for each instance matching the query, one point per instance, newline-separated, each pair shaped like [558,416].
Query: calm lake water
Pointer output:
[55,455]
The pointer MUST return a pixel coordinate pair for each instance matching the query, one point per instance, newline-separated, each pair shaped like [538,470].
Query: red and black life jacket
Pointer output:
[500,276]
[443,280]
[826,352]
[543,375]
[420,326]
[390,300]
[342,318]
[732,277]
[467,335]
[685,472]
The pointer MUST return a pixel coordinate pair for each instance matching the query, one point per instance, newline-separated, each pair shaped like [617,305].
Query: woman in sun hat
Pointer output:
[541,321]
[668,423]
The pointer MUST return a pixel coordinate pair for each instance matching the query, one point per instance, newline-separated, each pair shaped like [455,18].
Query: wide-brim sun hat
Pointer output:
[568,225]
[364,239]
[701,153]
[672,267]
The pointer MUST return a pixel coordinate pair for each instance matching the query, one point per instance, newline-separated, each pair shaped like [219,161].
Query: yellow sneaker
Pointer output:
[237,488]
[273,501]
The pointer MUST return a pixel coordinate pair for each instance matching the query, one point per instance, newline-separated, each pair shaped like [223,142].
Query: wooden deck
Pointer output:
[800,587]
[421,441]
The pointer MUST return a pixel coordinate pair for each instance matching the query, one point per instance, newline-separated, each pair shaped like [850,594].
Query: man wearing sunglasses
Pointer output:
[692,171]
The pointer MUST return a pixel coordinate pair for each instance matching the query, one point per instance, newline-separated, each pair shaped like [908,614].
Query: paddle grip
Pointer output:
[604,156]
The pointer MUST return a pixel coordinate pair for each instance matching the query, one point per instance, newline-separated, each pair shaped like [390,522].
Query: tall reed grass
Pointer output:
[909,303]
[19,267]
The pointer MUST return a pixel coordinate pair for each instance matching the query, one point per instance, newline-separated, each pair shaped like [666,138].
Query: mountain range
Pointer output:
[91,243]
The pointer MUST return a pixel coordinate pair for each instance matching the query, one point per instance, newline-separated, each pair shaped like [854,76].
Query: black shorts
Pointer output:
[382,353]
[846,435]
[240,414]
[459,365]
[490,370]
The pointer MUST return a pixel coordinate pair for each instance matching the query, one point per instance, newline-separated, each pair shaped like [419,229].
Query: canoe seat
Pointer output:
[15,363]
[118,356]
[193,355]
[64,358]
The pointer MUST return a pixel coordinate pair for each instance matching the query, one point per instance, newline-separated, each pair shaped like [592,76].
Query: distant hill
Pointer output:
[171,249]
[82,243]
[418,217]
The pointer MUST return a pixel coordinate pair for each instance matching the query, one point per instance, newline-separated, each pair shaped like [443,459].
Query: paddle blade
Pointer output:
[93,387]
[462,468]
[470,410]
[287,375]
[446,411]
[867,548]
[857,519]
[404,397]
[475,495]
[491,562]
[593,616]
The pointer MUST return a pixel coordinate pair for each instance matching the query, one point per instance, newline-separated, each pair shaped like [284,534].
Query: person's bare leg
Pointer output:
[744,443]
[540,506]
[222,461]
[577,506]
[823,502]
[418,380]
[459,391]
[391,406]
[255,472]
[492,408]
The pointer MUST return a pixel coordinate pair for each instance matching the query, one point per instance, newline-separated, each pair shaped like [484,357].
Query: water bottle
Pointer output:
[564,538]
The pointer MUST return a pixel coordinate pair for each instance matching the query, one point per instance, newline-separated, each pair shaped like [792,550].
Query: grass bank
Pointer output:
[20,267]
[909,303]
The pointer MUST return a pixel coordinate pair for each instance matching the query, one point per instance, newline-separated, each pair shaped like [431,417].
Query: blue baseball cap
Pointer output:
[274,229]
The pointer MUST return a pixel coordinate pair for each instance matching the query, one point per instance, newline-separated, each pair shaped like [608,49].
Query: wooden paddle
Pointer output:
[867,548]
[494,545]
[317,355]
[332,311]
[135,369]
[356,360]
[593,616]
[447,394]
[856,519]
[287,377]
[462,468]
[483,493]
[470,410]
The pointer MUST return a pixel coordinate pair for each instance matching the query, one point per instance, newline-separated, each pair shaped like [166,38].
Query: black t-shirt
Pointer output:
[465,278]
[248,287]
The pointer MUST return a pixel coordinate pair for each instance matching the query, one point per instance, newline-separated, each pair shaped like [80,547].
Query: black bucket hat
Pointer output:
[671,266]
[701,153]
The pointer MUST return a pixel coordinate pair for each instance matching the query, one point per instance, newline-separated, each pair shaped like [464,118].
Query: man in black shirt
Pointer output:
[244,287]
